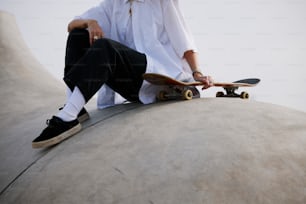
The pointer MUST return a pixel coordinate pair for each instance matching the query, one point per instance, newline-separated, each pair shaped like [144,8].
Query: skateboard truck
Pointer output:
[230,92]
[186,93]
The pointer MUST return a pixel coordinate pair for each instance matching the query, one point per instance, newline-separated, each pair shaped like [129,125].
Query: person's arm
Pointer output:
[192,59]
[181,39]
[95,31]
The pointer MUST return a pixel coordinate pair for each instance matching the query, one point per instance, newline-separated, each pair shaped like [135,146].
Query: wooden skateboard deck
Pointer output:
[186,90]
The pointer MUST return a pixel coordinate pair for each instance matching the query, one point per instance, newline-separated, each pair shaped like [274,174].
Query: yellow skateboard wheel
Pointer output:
[219,94]
[187,94]
[244,95]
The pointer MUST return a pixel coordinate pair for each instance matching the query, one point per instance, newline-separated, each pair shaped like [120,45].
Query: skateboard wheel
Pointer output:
[162,96]
[244,95]
[219,94]
[187,94]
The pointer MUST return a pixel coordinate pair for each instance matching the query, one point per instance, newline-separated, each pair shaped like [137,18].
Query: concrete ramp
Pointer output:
[27,94]
[199,151]
[211,150]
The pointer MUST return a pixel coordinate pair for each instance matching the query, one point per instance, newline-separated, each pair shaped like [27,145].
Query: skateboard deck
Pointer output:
[187,90]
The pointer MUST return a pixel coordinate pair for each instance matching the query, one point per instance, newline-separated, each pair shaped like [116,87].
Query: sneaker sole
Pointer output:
[83,117]
[59,138]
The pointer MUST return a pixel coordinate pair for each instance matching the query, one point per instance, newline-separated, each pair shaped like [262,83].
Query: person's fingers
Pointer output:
[95,32]
[93,37]
[207,82]
[91,40]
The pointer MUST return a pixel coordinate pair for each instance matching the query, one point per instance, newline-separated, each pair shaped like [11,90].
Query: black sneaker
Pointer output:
[82,116]
[56,132]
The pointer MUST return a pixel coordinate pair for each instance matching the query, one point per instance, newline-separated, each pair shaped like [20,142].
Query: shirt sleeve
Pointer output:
[177,29]
[100,13]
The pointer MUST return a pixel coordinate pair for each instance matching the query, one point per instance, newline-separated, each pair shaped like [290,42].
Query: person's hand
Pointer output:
[95,31]
[206,80]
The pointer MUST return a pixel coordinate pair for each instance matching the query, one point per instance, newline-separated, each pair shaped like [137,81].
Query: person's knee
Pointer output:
[102,42]
[105,44]
[78,31]
[79,34]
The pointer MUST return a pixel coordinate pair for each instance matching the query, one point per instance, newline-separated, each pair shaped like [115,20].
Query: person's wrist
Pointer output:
[90,22]
[196,73]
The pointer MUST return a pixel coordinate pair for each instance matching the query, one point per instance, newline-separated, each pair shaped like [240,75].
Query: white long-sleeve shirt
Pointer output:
[154,27]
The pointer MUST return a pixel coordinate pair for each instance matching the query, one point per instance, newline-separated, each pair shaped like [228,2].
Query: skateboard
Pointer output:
[187,91]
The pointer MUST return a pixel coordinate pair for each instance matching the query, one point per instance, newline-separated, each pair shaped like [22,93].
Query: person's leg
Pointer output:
[76,47]
[105,62]
[73,106]
[126,78]
[109,62]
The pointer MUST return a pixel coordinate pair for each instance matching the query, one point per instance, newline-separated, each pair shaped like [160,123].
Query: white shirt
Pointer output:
[155,28]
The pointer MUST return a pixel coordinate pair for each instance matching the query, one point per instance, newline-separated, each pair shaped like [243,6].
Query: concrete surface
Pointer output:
[28,94]
[201,151]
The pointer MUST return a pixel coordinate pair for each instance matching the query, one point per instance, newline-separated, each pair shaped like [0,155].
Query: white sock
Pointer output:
[73,106]
[68,93]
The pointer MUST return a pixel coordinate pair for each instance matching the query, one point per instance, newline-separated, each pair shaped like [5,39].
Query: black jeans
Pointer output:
[105,62]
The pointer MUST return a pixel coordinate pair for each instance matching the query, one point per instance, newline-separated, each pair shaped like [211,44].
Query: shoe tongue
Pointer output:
[54,120]
[57,119]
